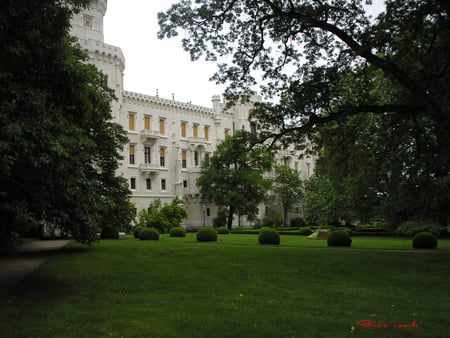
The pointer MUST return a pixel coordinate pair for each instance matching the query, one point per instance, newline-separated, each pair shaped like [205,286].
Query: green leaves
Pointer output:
[60,149]
[233,176]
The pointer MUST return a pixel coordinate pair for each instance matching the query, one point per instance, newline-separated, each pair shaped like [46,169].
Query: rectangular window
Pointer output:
[162,129]
[163,184]
[132,153]
[185,183]
[133,183]
[183,159]
[131,122]
[196,158]
[206,132]
[88,21]
[296,166]
[183,129]
[253,128]
[195,130]
[226,133]
[147,123]
[148,183]
[147,158]
[162,157]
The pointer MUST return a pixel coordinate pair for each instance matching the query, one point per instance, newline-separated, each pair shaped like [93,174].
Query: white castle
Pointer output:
[167,139]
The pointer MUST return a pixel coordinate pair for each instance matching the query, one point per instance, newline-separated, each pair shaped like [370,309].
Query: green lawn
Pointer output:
[177,287]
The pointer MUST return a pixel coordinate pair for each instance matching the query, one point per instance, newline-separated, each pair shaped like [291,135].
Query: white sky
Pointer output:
[153,64]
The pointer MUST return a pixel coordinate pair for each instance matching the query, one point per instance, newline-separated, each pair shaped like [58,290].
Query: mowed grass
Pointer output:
[176,287]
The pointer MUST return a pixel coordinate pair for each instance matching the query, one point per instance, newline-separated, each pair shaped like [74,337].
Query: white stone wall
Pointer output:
[146,170]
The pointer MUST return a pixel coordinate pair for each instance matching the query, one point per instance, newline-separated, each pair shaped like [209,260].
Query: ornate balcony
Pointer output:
[148,168]
[148,135]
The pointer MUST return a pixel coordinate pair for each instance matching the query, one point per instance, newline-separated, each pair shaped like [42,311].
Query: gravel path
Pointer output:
[23,260]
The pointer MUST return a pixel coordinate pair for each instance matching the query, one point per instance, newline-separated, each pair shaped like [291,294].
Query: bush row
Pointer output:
[337,237]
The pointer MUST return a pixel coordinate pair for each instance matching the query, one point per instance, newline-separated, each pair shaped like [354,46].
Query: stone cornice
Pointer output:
[149,99]
[101,48]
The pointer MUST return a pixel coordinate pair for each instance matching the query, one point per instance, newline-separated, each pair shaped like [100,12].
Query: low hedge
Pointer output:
[269,236]
[223,230]
[177,232]
[305,231]
[206,234]
[424,240]
[339,238]
[149,234]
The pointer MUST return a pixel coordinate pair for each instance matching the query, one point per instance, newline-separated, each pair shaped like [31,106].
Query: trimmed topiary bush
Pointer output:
[305,231]
[339,238]
[149,234]
[268,236]
[223,231]
[206,234]
[109,233]
[137,231]
[177,232]
[424,240]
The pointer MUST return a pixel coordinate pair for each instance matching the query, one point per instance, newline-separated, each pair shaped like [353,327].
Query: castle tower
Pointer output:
[88,24]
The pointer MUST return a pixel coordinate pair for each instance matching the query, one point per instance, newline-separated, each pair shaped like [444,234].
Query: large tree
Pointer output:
[233,177]
[289,188]
[329,61]
[58,145]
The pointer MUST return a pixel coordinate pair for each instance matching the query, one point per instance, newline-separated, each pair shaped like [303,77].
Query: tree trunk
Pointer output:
[230,217]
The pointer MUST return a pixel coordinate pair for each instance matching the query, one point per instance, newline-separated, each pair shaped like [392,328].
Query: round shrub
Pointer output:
[109,233]
[339,238]
[137,231]
[268,236]
[223,231]
[424,240]
[177,232]
[206,234]
[305,231]
[149,234]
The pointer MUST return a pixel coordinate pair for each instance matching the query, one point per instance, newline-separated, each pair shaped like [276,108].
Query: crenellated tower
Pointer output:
[87,26]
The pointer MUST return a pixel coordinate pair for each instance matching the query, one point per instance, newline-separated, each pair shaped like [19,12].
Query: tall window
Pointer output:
[253,127]
[147,158]
[162,129]
[147,123]
[183,129]
[162,157]
[132,183]
[196,158]
[195,130]
[206,132]
[148,183]
[163,184]
[226,133]
[132,149]
[131,122]
[183,159]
